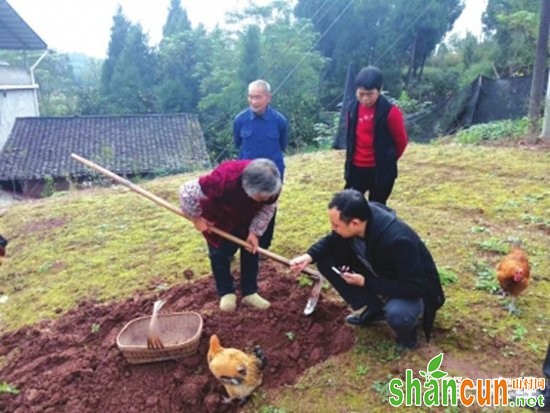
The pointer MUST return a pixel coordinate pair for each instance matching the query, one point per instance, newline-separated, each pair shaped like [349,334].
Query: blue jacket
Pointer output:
[261,136]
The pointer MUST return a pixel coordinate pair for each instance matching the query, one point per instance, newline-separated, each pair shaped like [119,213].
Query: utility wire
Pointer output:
[306,54]
[293,70]
[390,47]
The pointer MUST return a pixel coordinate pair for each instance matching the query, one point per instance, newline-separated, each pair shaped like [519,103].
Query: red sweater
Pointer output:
[364,135]
[227,205]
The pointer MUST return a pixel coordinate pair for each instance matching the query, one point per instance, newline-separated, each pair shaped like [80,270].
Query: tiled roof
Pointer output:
[15,33]
[41,146]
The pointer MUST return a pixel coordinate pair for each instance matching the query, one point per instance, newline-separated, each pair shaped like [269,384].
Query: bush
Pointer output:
[504,129]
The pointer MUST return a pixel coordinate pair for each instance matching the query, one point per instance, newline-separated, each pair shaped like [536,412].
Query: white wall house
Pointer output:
[18,90]
[17,98]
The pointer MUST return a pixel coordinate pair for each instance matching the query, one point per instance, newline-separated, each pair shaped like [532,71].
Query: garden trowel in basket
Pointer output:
[315,275]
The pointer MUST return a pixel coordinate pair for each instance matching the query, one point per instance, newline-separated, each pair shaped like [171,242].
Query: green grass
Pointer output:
[466,202]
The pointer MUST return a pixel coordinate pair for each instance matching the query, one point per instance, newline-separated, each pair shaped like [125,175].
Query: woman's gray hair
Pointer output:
[261,178]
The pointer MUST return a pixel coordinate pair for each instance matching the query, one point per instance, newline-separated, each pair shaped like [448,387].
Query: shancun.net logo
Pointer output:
[439,389]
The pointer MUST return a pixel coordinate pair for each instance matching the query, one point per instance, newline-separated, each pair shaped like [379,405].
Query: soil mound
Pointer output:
[73,364]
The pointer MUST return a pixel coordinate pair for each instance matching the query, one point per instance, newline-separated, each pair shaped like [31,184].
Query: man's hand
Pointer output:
[352,278]
[254,241]
[298,264]
[201,224]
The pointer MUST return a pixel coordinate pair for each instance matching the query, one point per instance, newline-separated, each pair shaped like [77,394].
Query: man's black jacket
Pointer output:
[400,264]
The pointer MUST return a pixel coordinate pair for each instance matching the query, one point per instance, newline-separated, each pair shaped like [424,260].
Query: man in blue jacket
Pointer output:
[261,132]
[374,259]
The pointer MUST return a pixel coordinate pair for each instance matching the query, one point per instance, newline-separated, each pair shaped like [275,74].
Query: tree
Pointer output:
[391,34]
[180,54]
[512,24]
[221,95]
[119,32]
[288,60]
[58,87]
[250,55]
[537,85]
[131,86]
[427,30]
[176,21]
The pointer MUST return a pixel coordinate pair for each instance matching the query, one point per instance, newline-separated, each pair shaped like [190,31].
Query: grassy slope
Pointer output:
[465,202]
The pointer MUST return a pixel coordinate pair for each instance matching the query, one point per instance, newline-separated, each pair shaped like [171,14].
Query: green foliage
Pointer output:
[456,64]
[304,281]
[180,68]
[486,277]
[493,245]
[513,26]
[361,370]
[119,33]
[505,129]
[176,21]
[59,87]
[400,34]
[447,276]
[49,186]
[382,388]
[385,351]
[435,84]
[288,62]
[131,85]
[326,129]
[519,333]
[8,388]
[250,55]
[479,229]
[95,328]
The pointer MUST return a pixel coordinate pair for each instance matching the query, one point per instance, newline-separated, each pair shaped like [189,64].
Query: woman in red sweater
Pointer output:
[238,197]
[376,138]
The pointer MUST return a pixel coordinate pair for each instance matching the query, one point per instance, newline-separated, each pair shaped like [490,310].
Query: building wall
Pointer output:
[18,102]
[14,103]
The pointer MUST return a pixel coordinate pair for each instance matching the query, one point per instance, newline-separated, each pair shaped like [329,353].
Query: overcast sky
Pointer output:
[84,25]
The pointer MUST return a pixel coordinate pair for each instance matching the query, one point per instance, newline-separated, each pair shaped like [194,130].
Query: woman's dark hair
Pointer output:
[369,77]
[351,204]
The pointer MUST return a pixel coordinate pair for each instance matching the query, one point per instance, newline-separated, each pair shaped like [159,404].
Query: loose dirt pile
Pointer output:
[73,364]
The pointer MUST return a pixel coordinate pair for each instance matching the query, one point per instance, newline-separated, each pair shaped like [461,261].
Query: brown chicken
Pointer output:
[513,274]
[239,372]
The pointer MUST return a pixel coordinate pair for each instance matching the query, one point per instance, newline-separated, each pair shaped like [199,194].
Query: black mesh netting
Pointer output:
[484,100]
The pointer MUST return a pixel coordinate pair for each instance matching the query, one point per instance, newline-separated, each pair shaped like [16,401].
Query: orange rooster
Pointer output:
[239,372]
[513,274]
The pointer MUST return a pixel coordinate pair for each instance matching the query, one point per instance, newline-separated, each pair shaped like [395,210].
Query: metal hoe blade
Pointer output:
[314,296]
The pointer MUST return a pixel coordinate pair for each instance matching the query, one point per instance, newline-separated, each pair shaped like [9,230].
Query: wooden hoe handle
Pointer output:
[159,201]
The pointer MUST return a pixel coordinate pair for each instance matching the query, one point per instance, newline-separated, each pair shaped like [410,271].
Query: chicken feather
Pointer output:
[239,372]
[513,274]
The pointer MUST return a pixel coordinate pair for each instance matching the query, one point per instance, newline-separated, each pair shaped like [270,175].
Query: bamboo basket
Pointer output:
[179,332]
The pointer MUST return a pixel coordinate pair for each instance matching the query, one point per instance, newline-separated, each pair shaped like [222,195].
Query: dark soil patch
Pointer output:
[42,226]
[69,365]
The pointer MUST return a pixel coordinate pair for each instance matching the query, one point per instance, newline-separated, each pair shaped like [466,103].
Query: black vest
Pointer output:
[385,152]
